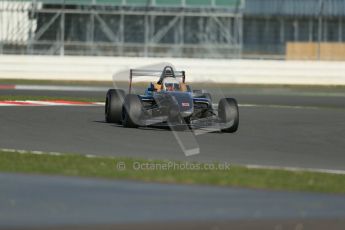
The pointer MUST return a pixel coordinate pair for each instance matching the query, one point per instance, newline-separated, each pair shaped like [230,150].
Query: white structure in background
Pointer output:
[15,23]
[197,70]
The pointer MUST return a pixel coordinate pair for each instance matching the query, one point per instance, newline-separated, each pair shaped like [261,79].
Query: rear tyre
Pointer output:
[208,96]
[202,94]
[132,111]
[113,105]
[227,112]
[197,93]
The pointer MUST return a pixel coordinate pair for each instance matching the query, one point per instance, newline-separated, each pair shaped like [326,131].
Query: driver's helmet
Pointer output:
[171,84]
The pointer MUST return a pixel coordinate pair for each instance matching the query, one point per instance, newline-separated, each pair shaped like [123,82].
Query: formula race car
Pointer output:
[169,102]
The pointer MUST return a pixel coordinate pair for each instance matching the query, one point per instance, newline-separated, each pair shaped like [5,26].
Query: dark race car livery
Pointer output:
[169,101]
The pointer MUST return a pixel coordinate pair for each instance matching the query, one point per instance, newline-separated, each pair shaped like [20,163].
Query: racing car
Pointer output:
[169,101]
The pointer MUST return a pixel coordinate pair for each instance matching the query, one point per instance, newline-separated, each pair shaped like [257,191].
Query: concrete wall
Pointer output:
[222,71]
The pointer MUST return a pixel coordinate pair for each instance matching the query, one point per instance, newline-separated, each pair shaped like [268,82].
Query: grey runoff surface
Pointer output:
[31,200]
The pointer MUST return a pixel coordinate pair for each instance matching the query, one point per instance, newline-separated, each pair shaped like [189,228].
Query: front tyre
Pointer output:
[113,105]
[132,111]
[228,112]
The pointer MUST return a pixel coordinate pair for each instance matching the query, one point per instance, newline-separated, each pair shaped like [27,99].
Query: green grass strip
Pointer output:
[106,167]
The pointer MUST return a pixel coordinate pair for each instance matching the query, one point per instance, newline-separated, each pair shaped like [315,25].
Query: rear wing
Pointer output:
[153,73]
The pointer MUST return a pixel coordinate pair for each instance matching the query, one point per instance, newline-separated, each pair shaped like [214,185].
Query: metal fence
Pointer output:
[119,28]
[169,28]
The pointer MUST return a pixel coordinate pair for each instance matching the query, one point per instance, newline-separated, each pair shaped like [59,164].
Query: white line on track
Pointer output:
[61,88]
[76,103]
[48,103]
[279,106]
[99,103]
[296,169]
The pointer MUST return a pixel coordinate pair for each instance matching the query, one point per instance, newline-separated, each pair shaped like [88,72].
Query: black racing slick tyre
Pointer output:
[132,111]
[208,96]
[227,112]
[113,105]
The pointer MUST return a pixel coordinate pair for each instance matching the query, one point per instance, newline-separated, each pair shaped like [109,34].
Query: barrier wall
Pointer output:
[310,51]
[197,70]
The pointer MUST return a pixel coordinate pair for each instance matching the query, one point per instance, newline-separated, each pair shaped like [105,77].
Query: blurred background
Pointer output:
[249,29]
